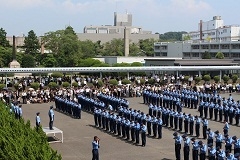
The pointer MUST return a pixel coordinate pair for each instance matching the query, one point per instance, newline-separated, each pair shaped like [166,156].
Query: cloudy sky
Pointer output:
[20,16]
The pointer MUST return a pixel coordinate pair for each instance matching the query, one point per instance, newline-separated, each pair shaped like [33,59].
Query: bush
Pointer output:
[35,85]
[216,79]
[142,81]
[206,78]
[100,83]
[66,84]
[234,78]
[53,85]
[186,78]
[113,82]
[90,85]
[197,80]
[20,141]
[16,86]
[226,78]
[126,81]
[150,81]
[57,75]
[74,84]
[38,74]
[2,86]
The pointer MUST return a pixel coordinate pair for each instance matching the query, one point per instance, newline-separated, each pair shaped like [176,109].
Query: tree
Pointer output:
[31,43]
[206,55]
[206,78]
[3,38]
[126,81]
[28,61]
[20,141]
[5,56]
[87,48]
[226,78]
[66,84]
[57,75]
[219,55]
[186,38]
[114,48]
[35,85]
[113,82]
[216,79]
[52,41]
[197,80]
[146,46]
[234,78]
[172,36]
[134,50]
[49,60]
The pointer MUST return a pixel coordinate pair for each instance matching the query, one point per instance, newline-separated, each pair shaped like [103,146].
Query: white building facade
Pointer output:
[214,30]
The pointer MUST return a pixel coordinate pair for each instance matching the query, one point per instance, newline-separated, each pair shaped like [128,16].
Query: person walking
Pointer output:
[51,117]
[38,120]
[95,147]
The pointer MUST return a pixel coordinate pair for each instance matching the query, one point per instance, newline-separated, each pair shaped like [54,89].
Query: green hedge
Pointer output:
[19,141]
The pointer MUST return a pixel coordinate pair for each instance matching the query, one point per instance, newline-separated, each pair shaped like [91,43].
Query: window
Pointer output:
[195,54]
[164,54]
[186,54]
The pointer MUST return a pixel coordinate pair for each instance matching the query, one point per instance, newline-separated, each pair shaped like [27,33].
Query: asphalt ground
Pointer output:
[78,135]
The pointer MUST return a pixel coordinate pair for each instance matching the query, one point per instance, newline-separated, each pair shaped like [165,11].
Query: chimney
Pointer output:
[200,26]
[126,41]
[14,48]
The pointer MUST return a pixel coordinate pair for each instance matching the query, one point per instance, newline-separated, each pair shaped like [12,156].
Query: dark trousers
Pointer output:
[159,131]
[204,132]
[180,124]
[137,136]
[133,134]
[191,128]
[202,156]
[195,154]
[95,155]
[186,152]
[219,144]
[178,151]
[50,124]
[209,141]
[143,135]
[197,128]
[228,148]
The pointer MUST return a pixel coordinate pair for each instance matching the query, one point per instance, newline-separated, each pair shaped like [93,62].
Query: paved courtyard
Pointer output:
[78,135]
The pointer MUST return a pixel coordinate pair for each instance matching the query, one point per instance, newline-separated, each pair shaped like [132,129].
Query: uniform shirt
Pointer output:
[51,114]
[231,157]
[159,122]
[38,120]
[226,126]
[196,146]
[95,145]
[236,143]
[178,139]
[203,148]
[143,129]
[211,151]
[221,155]
[219,137]
[205,122]
[187,142]
[198,120]
[228,141]
[210,134]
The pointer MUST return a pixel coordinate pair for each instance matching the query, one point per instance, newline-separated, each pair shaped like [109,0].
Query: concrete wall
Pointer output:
[134,38]
[175,50]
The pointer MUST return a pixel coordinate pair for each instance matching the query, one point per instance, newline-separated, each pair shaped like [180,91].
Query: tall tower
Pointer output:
[126,41]
[14,63]
[122,19]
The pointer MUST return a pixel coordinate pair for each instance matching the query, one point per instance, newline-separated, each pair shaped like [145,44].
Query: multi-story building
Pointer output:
[214,30]
[212,37]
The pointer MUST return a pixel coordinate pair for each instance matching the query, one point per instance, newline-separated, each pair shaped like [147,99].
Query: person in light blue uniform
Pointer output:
[95,147]
[220,154]
[137,130]
[195,149]
[38,120]
[211,152]
[203,150]
[51,117]
[186,147]
[228,143]
[225,127]
[178,141]
[143,134]
[219,139]
[236,143]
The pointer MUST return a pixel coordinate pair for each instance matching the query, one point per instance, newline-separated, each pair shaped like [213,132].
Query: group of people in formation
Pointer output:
[201,151]
[211,106]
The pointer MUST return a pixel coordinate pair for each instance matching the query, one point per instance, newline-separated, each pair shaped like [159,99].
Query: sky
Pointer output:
[18,17]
